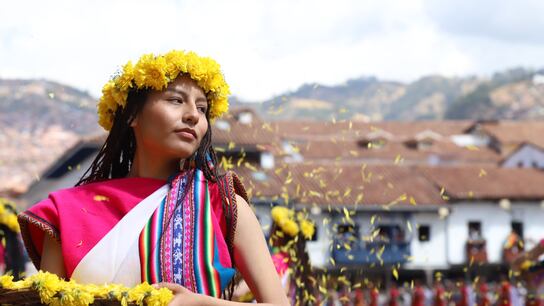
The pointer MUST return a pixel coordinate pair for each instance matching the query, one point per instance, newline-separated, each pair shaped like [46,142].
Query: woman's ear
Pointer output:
[134,122]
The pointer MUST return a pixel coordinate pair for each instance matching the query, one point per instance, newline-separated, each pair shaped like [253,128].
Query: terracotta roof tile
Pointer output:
[487,182]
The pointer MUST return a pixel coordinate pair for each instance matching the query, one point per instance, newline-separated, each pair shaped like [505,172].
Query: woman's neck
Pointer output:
[152,166]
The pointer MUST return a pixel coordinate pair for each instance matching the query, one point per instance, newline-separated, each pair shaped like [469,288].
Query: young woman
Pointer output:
[152,206]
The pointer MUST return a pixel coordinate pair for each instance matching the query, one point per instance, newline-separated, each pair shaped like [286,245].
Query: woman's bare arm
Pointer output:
[253,259]
[52,260]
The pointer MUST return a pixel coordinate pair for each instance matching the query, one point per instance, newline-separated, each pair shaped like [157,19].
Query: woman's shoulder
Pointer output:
[233,184]
[137,187]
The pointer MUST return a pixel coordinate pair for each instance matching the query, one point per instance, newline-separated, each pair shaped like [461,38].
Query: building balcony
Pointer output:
[476,251]
[366,253]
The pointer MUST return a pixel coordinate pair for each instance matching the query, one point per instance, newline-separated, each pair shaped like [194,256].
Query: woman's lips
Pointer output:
[187,133]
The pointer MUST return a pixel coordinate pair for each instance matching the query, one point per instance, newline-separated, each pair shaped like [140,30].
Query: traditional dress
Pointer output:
[131,230]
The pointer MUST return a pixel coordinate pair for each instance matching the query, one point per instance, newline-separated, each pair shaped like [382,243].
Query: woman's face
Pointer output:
[172,122]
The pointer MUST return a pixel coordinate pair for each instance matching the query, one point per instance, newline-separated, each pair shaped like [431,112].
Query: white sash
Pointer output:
[115,258]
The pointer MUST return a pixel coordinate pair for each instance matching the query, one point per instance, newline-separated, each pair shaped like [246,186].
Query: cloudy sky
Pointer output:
[269,47]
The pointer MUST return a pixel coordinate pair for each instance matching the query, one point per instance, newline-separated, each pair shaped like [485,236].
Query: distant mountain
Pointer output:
[34,105]
[39,121]
[515,94]
[507,95]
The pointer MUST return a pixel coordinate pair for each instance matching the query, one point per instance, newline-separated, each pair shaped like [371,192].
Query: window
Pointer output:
[424,233]
[390,233]
[245,118]
[475,230]
[377,144]
[347,233]
[373,143]
[425,144]
[222,125]
[347,229]
[314,236]
[517,227]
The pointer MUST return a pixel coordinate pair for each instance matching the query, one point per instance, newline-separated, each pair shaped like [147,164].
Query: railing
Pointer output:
[362,252]
[476,251]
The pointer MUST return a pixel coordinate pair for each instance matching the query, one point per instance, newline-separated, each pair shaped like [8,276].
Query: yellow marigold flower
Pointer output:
[290,227]
[105,117]
[138,293]
[124,81]
[107,94]
[176,63]
[219,107]
[279,213]
[120,97]
[285,219]
[47,285]
[526,265]
[12,223]
[159,297]
[6,281]
[150,72]
[8,216]
[307,228]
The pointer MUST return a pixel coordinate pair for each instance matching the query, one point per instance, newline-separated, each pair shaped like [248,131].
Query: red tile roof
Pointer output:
[515,132]
[320,184]
[487,182]
[396,186]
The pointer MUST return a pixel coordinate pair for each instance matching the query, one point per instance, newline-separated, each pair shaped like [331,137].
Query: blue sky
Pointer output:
[269,47]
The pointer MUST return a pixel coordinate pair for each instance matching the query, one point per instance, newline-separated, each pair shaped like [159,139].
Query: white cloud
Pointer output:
[264,47]
[504,20]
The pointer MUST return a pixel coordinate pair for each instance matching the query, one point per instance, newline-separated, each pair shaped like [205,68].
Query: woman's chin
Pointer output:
[184,152]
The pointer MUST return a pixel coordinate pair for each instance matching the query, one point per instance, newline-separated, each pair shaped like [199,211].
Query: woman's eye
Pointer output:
[202,109]
[175,100]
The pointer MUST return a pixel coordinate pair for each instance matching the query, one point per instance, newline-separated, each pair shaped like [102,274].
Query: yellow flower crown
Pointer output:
[285,219]
[155,72]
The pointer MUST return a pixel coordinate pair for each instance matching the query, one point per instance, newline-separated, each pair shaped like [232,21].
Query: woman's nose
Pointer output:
[190,114]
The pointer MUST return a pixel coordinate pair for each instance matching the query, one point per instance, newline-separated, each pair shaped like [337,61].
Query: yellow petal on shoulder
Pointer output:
[101,198]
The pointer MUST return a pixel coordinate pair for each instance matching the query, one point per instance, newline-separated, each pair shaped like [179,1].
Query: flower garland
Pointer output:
[155,72]
[285,219]
[8,215]
[55,291]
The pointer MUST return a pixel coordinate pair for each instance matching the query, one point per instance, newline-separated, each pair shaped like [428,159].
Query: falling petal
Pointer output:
[101,198]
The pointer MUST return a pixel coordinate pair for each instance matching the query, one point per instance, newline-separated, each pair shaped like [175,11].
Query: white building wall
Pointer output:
[496,225]
[532,216]
[428,254]
[320,250]
[528,156]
